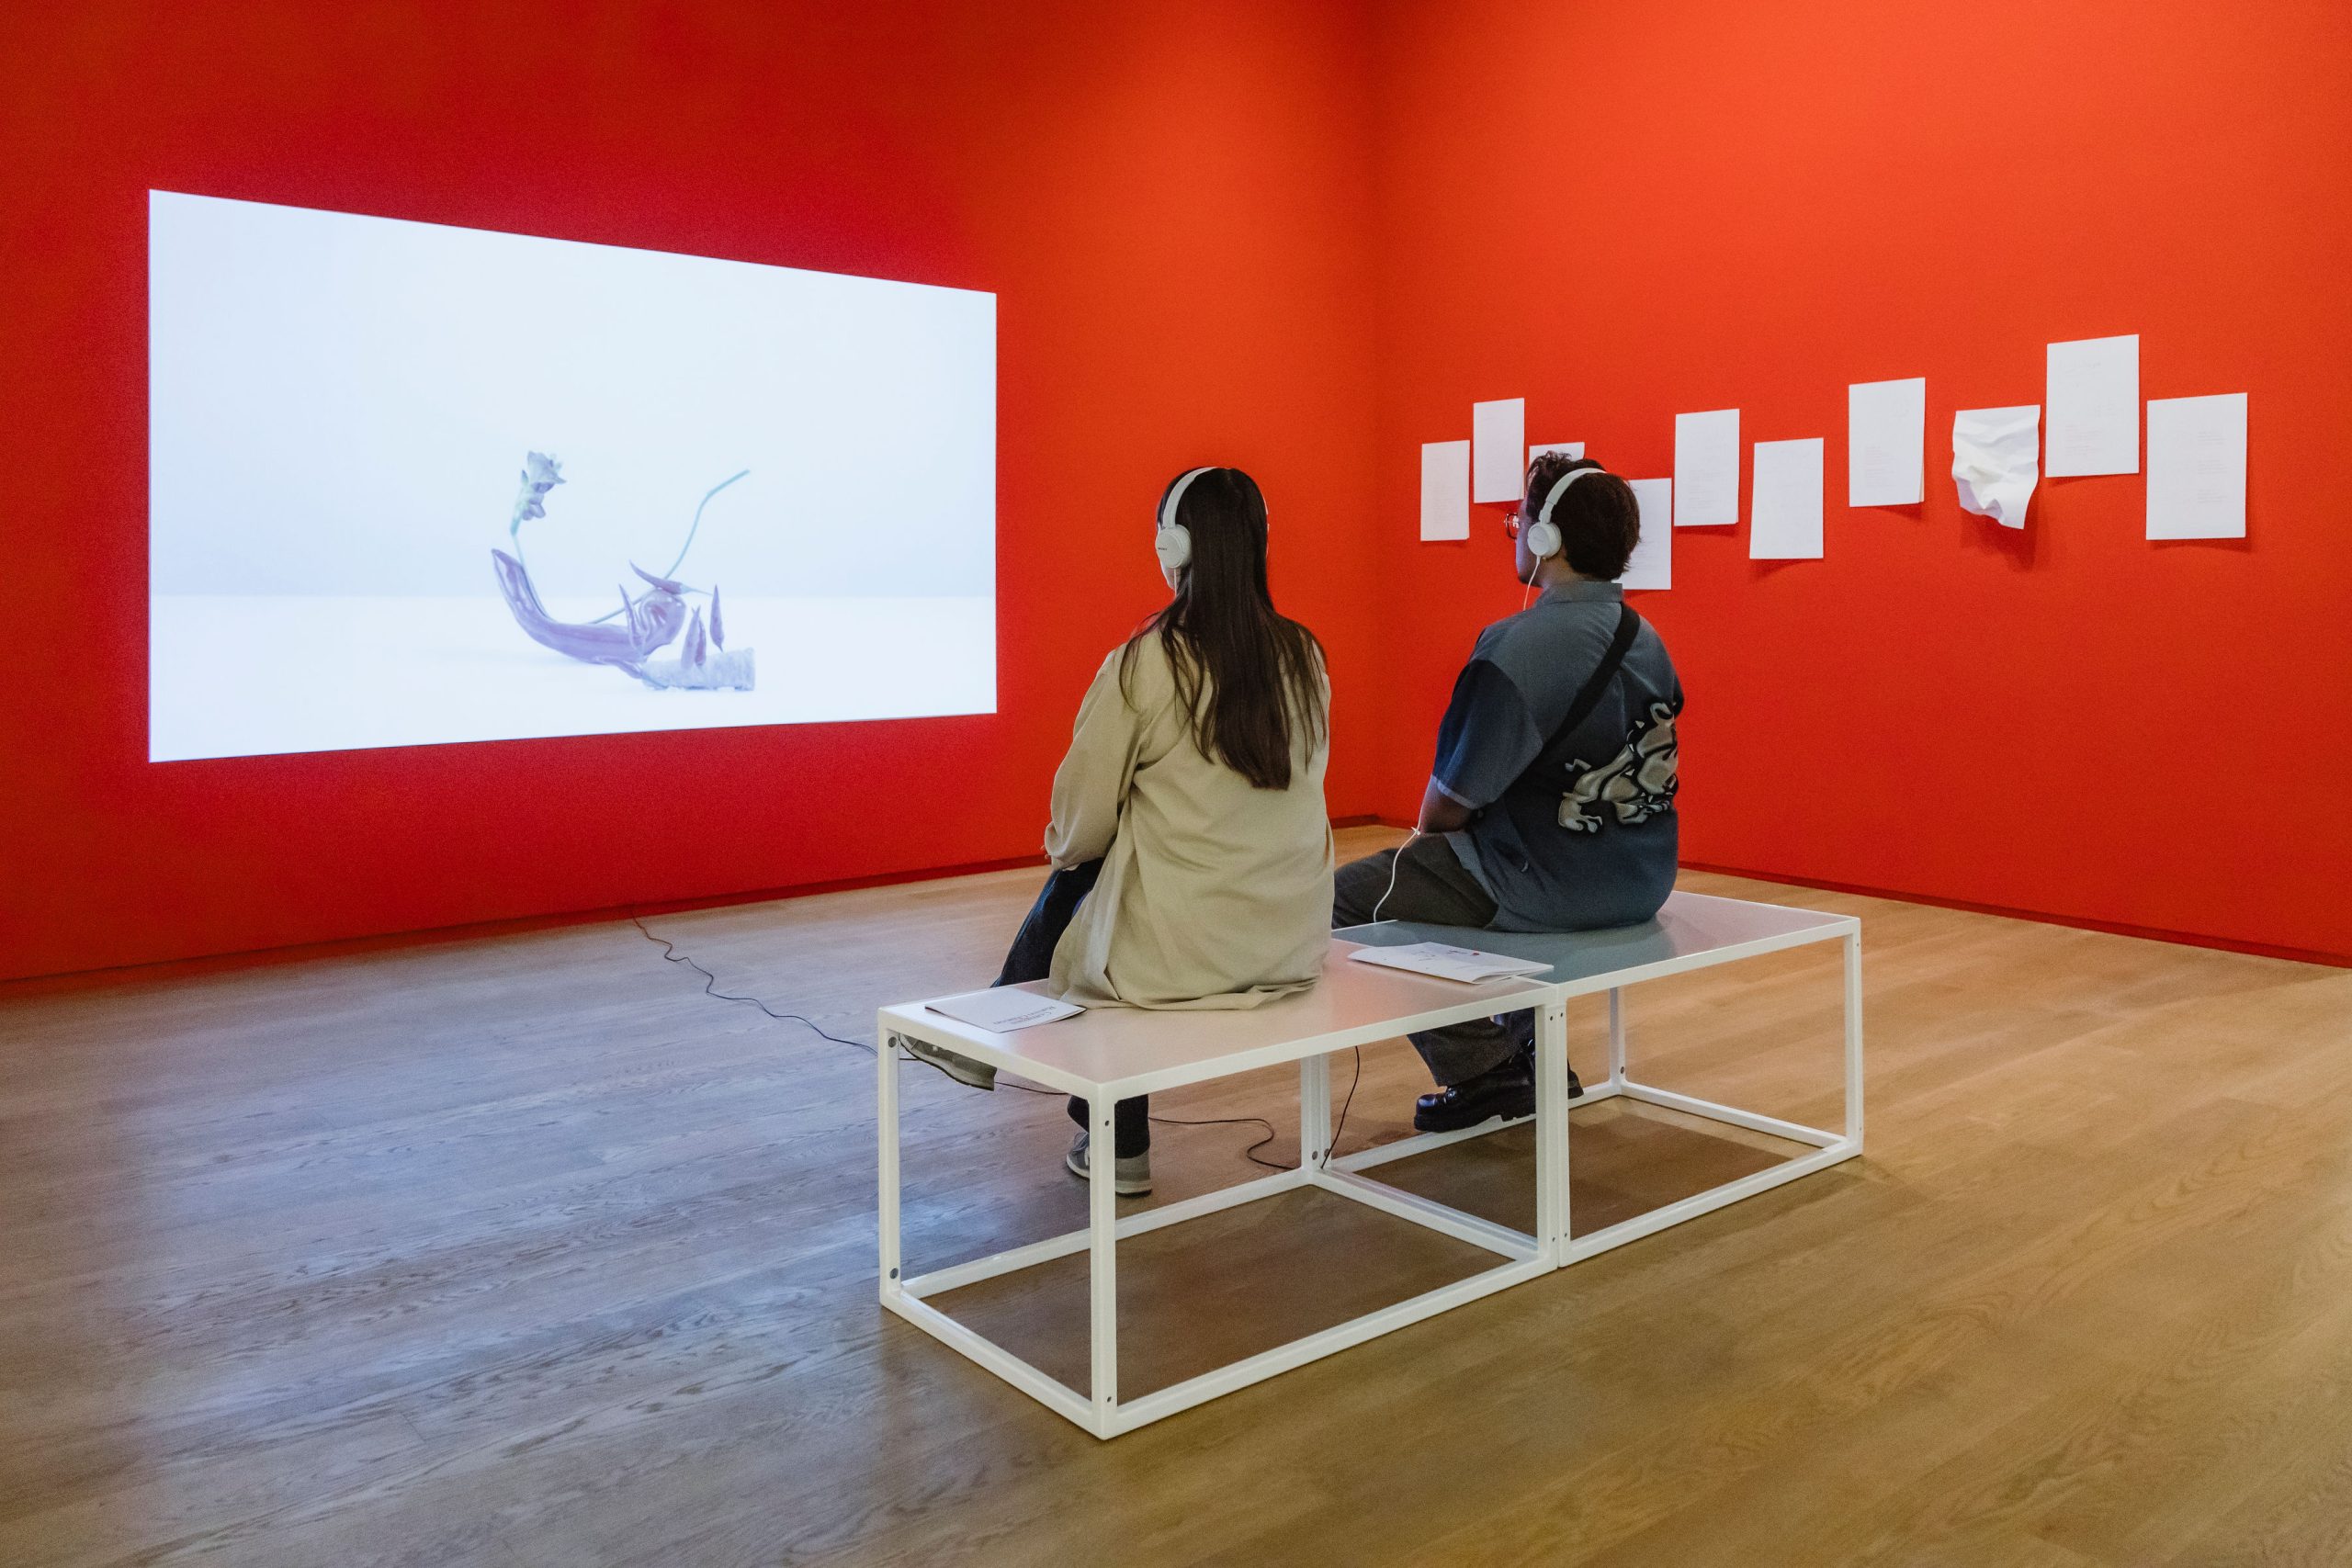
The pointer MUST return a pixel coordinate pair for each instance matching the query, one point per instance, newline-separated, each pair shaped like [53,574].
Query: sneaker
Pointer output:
[963,1069]
[1130,1176]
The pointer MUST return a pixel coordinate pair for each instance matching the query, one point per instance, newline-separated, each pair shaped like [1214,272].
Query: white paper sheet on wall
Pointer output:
[1498,435]
[2196,468]
[1706,468]
[1784,510]
[1565,449]
[1653,563]
[1886,443]
[1445,490]
[1996,461]
[2093,395]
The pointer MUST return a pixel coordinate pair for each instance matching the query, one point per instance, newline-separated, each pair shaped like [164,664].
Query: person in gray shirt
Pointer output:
[1551,805]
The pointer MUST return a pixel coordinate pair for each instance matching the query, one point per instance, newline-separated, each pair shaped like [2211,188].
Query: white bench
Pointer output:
[1114,1053]
[1694,930]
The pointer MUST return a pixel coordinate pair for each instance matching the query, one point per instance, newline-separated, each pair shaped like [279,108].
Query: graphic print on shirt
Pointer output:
[1639,782]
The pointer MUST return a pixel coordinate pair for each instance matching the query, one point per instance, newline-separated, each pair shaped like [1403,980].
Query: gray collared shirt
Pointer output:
[1589,838]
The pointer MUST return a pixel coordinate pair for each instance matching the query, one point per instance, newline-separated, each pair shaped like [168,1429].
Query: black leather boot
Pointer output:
[1521,1028]
[1508,1091]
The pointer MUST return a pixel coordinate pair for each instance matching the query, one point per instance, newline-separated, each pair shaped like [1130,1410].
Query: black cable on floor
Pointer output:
[1251,1152]
[1354,1079]
[710,988]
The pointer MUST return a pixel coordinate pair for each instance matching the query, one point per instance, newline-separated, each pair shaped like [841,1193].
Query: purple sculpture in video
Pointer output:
[647,623]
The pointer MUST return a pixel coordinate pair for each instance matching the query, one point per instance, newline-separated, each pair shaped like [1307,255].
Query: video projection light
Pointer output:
[412,484]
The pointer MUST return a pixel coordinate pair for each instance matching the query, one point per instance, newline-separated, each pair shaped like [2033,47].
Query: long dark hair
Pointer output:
[1245,674]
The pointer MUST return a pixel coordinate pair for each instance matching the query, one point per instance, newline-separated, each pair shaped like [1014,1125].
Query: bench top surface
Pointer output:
[1692,929]
[1116,1046]
[1113,1045]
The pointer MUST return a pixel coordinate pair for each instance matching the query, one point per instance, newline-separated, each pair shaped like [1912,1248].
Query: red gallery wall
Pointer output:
[1302,237]
[1169,199]
[1626,211]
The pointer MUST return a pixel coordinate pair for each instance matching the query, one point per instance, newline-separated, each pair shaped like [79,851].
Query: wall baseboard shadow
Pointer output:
[221,963]
[2040,916]
[215,964]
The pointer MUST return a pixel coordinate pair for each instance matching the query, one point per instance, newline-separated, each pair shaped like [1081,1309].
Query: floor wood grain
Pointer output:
[525,1251]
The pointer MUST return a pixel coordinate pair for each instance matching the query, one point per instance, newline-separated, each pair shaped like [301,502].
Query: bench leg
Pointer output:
[1551,1130]
[1314,1112]
[1854,1040]
[1102,1169]
[886,1102]
[1617,1037]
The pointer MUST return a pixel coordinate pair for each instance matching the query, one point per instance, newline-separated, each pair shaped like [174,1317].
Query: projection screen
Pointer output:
[413,484]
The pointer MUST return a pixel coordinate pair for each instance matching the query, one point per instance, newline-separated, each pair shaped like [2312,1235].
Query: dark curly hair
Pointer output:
[1598,520]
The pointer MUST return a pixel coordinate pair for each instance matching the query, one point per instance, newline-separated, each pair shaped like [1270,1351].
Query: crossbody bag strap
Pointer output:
[1629,626]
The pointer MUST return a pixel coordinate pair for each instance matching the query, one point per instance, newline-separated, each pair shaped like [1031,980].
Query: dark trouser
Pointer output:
[1433,887]
[1032,958]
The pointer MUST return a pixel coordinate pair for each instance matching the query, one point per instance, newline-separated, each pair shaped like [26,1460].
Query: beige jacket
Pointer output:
[1214,894]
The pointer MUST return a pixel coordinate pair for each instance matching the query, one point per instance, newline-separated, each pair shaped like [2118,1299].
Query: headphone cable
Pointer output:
[1395,863]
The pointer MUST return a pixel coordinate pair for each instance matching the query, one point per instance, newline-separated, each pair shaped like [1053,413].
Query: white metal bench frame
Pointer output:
[1828,1148]
[1521,1256]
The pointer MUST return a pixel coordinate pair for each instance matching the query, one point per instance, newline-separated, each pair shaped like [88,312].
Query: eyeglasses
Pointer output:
[1513,521]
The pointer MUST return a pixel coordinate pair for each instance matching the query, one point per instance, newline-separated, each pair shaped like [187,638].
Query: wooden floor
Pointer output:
[525,1251]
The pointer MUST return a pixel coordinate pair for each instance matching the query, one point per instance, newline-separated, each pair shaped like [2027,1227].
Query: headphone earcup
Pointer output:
[1173,547]
[1543,540]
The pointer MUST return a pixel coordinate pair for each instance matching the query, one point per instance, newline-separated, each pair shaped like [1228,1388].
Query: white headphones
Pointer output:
[1172,543]
[1543,538]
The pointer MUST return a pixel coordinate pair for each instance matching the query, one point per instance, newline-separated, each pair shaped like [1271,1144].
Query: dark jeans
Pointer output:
[1032,958]
[1435,886]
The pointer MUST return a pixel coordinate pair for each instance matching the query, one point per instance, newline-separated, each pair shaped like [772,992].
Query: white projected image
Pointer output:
[412,484]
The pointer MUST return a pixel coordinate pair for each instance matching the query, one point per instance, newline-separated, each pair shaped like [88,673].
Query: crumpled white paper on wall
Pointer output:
[1995,459]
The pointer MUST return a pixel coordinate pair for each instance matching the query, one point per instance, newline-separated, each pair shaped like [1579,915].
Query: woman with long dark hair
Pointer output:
[1190,846]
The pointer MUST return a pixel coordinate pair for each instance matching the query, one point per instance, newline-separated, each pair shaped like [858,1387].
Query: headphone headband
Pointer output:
[1559,488]
[1176,497]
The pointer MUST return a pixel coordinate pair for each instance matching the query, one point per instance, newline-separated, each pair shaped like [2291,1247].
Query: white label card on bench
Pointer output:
[1004,1008]
[1464,964]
